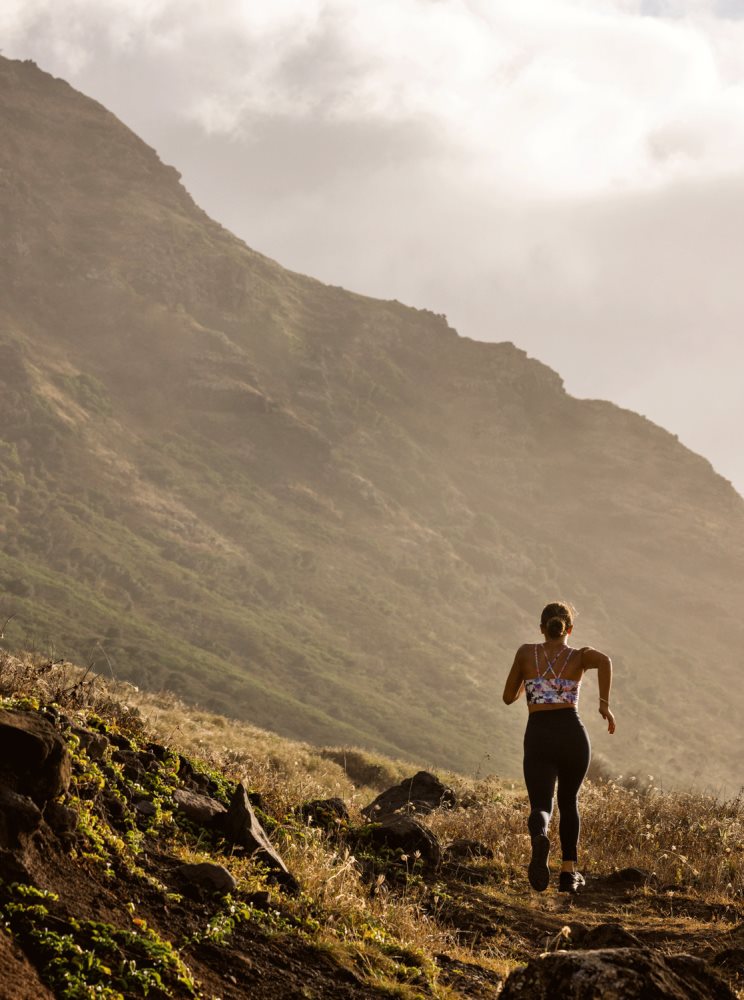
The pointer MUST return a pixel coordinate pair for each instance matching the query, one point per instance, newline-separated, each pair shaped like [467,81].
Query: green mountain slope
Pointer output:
[324,513]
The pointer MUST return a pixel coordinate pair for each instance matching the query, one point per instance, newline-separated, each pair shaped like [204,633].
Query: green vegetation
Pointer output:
[396,926]
[323,513]
[84,959]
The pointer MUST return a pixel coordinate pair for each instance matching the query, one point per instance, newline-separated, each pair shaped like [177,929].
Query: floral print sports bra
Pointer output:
[555,690]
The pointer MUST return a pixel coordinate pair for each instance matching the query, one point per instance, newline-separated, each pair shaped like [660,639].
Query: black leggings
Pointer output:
[556,748]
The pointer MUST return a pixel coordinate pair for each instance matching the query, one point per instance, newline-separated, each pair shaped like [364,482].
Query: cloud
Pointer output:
[566,174]
[548,98]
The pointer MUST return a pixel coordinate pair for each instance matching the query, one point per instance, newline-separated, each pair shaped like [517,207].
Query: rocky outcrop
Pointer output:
[201,809]
[34,770]
[620,973]
[407,838]
[207,877]
[420,794]
[19,818]
[608,935]
[242,829]
[33,757]
[636,876]
[327,814]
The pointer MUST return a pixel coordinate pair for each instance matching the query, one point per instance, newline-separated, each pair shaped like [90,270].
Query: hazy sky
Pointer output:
[565,174]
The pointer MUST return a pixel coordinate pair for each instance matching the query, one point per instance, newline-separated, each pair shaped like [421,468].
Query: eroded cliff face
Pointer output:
[328,514]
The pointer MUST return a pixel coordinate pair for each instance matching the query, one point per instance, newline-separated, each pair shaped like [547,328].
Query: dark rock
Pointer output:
[463,849]
[132,766]
[731,958]
[148,760]
[19,818]
[609,936]
[94,744]
[157,750]
[242,829]
[578,932]
[62,819]
[327,814]
[407,837]
[623,973]
[636,875]
[13,867]
[145,808]
[256,799]
[113,805]
[261,899]
[192,778]
[33,757]
[198,808]
[120,741]
[207,877]
[202,783]
[421,793]
[467,978]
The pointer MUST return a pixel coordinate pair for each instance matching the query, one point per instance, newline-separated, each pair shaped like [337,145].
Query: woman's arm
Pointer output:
[594,660]
[514,683]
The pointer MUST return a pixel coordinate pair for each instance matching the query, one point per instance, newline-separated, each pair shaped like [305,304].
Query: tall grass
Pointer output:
[692,841]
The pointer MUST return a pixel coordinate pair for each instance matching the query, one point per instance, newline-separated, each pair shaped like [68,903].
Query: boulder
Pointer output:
[620,973]
[33,757]
[114,806]
[207,877]
[198,808]
[422,793]
[131,764]
[94,744]
[192,778]
[406,836]
[635,875]
[242,829]
[62,819]
[609,935]
[731,958]
[463,849]
[20,817]
[328,814]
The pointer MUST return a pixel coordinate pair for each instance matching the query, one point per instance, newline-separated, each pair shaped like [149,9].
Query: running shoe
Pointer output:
[538,872]
[572,882]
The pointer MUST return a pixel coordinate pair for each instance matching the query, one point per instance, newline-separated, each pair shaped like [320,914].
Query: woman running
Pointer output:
[556,745]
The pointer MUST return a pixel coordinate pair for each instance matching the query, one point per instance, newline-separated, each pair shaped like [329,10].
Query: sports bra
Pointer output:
[555,690]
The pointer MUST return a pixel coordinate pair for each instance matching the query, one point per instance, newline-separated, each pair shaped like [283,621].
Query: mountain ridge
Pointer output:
[300,505]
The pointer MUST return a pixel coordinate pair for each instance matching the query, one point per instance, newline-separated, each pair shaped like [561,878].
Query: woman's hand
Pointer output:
[605,712]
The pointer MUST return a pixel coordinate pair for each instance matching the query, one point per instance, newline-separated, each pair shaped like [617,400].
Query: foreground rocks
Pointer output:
[241,828]
[327,814]
[208,877]
[34,769]
[617,973]
[420,794]
[33,756]
[407,838]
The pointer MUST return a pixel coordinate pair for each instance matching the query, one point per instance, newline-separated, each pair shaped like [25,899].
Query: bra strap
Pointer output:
[565,662]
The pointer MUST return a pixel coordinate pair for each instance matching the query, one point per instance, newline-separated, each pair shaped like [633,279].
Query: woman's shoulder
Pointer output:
[592,658]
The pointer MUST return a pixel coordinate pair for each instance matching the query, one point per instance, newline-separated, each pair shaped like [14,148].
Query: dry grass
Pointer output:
[687,839]
[692,841]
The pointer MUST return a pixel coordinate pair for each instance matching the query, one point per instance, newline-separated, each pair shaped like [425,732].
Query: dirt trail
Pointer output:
[512,922]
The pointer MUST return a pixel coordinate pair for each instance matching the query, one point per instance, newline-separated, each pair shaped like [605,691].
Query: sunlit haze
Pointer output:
[564,174]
